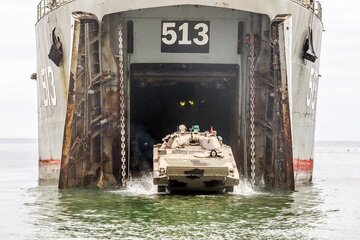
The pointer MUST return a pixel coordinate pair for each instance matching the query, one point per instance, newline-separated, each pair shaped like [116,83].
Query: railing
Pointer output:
[318,9]
[46,6]
[313,5]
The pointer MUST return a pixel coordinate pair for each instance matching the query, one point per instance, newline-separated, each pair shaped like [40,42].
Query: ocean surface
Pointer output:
[328,209]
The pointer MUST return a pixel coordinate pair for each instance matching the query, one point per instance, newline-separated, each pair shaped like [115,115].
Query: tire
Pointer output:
[161,189]
[229,189]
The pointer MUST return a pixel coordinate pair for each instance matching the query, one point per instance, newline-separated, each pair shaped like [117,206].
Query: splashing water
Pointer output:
[144,187]
[244,188]
[139,186]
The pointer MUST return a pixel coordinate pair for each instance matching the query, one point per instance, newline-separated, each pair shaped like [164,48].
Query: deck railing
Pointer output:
[46,6]
[318,9]
[314,5]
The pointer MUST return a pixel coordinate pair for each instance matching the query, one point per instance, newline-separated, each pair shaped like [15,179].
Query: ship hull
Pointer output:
[54,81]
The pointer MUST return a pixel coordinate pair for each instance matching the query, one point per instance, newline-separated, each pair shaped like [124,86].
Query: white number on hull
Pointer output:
[48,85]
[202,34]
[185,37]
[185,34]
[166,31]
[201,39]
[311,96]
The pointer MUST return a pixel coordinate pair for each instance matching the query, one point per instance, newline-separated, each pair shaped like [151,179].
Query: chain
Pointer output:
[252,100]
[122,109]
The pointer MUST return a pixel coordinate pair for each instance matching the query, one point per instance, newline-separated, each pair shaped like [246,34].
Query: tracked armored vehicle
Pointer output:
[194,161]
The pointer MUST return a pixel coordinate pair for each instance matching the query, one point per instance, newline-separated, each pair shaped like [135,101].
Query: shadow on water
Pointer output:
[140,212]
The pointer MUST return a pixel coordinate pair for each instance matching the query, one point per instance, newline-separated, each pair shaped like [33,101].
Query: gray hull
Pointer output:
[212,45]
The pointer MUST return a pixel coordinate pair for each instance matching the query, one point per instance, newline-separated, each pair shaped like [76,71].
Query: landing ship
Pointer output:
[194,161]
[111,74]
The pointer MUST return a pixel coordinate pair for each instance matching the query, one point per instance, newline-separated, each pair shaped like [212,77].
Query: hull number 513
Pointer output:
[185,37]
[48,86]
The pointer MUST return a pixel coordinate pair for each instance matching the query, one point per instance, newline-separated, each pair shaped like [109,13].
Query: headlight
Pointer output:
[162,171]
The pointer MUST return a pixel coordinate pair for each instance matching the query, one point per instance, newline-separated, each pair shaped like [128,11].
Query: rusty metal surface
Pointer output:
[91,120]
[67,134]
[286,116]
[67,141]
[283,155]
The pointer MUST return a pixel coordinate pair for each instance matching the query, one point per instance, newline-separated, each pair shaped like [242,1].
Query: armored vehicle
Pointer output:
[194,161]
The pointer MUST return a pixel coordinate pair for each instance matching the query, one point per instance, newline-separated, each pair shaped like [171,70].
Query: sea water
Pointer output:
[328,209]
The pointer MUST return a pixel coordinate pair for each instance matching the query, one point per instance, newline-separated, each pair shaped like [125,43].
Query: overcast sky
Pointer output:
[338,109]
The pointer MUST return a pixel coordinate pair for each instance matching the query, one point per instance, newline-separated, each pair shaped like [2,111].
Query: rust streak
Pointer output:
[284,168]
[67,135]
[63,181]
[43,162]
